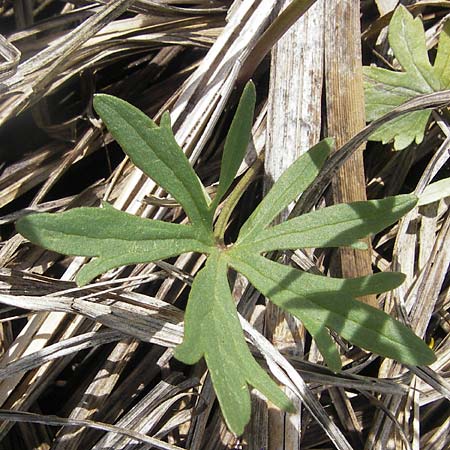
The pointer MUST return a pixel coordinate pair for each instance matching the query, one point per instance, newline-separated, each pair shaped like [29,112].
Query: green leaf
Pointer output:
[212,330]
[155,151]
[330,302]
[386,89]
[408,42]
[435,192]
[114,237]
[338,225]
[403,130]
[442,61]
[287,188]
[236,141]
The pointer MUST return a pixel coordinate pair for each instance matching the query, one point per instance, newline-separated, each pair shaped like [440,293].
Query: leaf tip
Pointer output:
[99,100]
[91,270]
[83,278]
[430,358]
[20,225]
[250,89]
[330,141]
[187,355]
[324,148]
[27,227]
[420,355]
[290,408]
[166,121]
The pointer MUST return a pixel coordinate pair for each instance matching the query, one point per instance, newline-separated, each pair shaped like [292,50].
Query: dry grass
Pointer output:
[92,368]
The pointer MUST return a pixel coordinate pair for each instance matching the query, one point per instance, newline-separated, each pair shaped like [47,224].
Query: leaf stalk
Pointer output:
[234,197]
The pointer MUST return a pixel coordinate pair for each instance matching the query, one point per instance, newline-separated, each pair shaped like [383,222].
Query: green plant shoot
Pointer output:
[212,330]
[386,89]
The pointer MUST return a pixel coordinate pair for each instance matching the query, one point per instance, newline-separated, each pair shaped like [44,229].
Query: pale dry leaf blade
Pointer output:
[52,420]
[331,302]
[132,320]
[114,237]
[155,151]
[58,350]
[212,330]
[334,226]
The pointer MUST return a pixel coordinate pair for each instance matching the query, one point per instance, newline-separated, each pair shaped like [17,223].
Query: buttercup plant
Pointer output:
[385,89]
[212,329]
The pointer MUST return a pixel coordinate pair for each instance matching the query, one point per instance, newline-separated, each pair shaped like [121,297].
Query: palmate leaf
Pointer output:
[338,225]
[155,151]
[213,331]
[321,302]
[114,237]
[212,328]
[386,89]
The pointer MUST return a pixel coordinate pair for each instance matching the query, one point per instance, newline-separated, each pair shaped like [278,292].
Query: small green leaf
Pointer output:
[386,89]
[212,330]
[435,192]
[114,237]
[338,225]
[330,302]
[236,141]
[442,61]
[155,151]
[287,188]
[408,42]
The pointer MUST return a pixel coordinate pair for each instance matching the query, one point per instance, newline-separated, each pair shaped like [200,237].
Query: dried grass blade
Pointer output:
[299,53]
[132,320]
[432,378]
[58,350]
[26,417]
[96,393]
[287,375]
[147,413]
[52,60]
[11,57]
